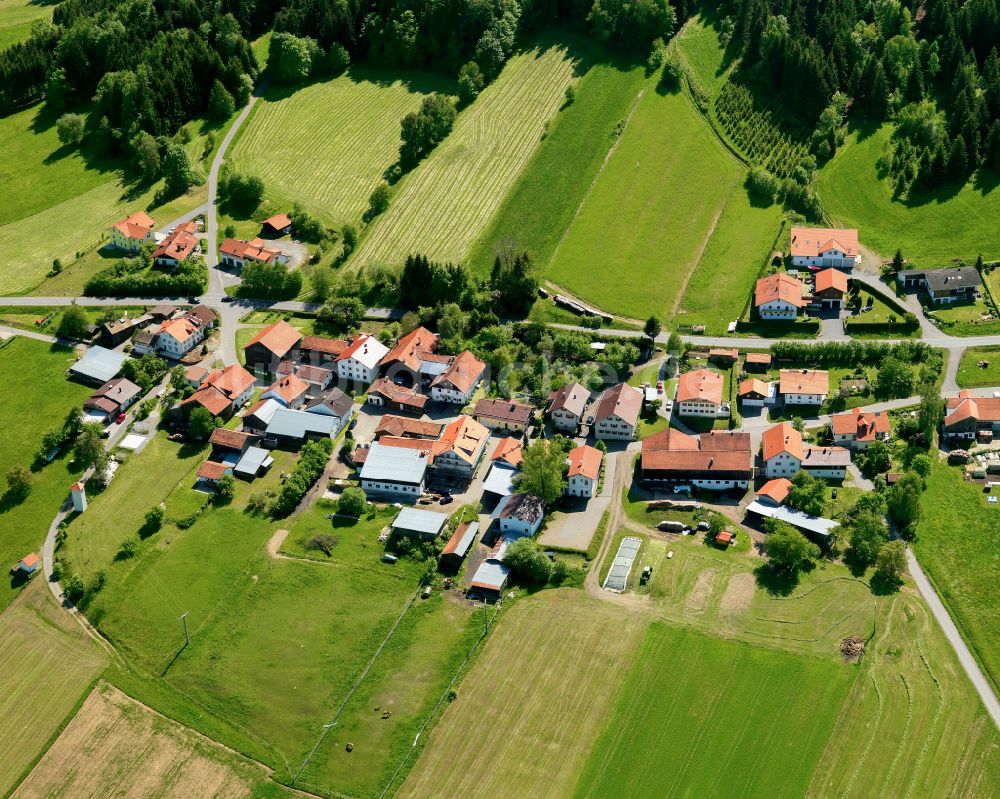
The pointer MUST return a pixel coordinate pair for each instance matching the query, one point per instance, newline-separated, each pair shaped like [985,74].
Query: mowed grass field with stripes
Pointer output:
[46,664]
[327,145]
[443,205]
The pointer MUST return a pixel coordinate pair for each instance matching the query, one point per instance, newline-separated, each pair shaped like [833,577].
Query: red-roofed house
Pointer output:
[177,246]
[132,232]
[753,392]
[617,412]
[775,490]
[412,357]
[359,362]
[236,252]
[718,461]
[831,287]
[271,345]
[277,225]
[510,451]
[803,386]
[968,416]
[459,380]
[859,428]
[177,337]
[222,391]
[499,414]
[779,296]
[699,393]
[386,394]
[782,450]
[584,471]
[289,390]
[819,248]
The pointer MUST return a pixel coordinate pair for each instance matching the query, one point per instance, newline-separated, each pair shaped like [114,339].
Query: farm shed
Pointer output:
[98,365]
[458,545]
[417,523]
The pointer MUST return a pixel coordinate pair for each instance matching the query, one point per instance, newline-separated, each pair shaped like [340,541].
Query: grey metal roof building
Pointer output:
[288,423]
[500,480]
[394,465]
[422,523]
[253,460]
[816,525]
[99,365]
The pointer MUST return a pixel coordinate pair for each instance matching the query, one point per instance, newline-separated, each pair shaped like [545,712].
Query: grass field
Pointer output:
[721,284]
[441,208]
[717,718]
[328,144]
[956,545]
[912,724]
[17,16]
[969,373]
[46,664]
[955,224]
[541,206]
[37,394]
[116,746]
[544,684]
[649,214]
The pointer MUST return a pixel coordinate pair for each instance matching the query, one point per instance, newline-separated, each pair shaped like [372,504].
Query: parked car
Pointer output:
[120,419]
[446,499]
[659,386]
[193,300]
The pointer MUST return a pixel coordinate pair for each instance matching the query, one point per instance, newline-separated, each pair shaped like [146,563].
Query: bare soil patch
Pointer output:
[851,648]
[696,600]
[738,593]
[275,541]
[118,747]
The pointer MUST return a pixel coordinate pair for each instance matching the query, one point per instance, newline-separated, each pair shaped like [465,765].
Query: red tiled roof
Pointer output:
[779,286]
[782,438]
[328,346]
[776,489]
[195,373]
[289,388]
[229,439]
[463,372]
[179,244]
[804,381]
[136,225]
[763,358]
[465,437]
[397,394]
[278,338]
[211,399]
[452,546]
[831,279]
[809,242]
[863,425]
[722,352]
[253,250]
[724,537]
[412,348]
[672,450]
[701,384]
[623,401]
[30,560]
[584,461]
[510,450]
[180,329]
[231,381]
[404,426]
[278,221]
[753,386]
[210,470]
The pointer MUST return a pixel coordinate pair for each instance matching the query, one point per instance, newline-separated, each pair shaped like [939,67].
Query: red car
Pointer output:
[120,419]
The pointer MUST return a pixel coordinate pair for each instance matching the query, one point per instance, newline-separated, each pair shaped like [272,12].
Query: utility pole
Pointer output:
[187,640]
[486,617]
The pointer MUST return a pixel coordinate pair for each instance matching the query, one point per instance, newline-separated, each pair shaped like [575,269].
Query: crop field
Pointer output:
[962,560]
[441,208]
[912,724]
[544,684]
[328,144]
[37,393]
[716,718]
[650,213]
[541,206]
[954,224]
[723,280]
[46,664]
[116,746]
[970,375]
[17,17]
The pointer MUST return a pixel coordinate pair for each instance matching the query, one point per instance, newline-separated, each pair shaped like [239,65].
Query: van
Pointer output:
[682,489]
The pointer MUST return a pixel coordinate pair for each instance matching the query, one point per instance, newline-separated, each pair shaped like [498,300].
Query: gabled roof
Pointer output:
[394,465]
[701,385]
[211,399]
[831,279]
[465,437]
[229,439]
[398,394]
[584,461]
[623,401]
[264,410]
[968,406]
[572,399]
[179,244]
[810,242]
[509,450]
[399,426]
[232,381]
[212,470]
[253,250]
[278,221]
[297,424]
[776,489]
[804,381]
[418,520]
[136,225]
[461,539]
[462,373]
[523,507]
[335,401]
[289,388]
[366,350]
[762,358]
[278,338]
[410,349]
[779,286]
[503,410]
[753,387]
[863,425]
[195,373]
[328,346]
[671,450]
[782,438]
[820,457]
[180,329]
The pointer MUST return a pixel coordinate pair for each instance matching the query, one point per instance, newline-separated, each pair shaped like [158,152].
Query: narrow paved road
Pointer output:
[954,637]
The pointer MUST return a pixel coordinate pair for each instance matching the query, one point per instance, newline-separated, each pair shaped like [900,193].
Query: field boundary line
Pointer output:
[696,260]
[611,151]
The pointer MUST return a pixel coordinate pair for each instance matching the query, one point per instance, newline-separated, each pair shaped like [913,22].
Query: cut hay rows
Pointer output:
[328,145]
[449,199]
[527,714]
[28,246]
[117,747]
[46,663]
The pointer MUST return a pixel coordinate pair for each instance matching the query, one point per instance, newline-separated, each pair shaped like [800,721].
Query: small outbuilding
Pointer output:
[28,565]
[416,523]
[98,366]
[458,545]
